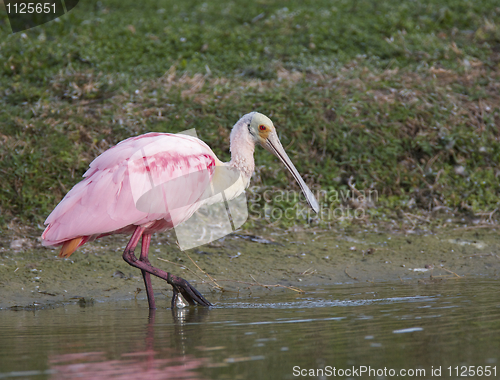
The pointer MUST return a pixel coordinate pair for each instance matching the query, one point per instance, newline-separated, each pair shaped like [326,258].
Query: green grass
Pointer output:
[403,96]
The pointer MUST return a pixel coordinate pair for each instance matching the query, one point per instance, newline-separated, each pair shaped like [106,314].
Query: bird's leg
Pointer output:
[146,240]
[190,294]
[129,249]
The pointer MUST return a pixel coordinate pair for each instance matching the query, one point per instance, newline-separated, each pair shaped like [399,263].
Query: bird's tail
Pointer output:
[70,246]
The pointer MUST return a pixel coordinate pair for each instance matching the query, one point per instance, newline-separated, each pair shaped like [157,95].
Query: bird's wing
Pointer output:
[138,181]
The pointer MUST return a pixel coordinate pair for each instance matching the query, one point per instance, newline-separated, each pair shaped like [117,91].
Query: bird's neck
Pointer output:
[242,148]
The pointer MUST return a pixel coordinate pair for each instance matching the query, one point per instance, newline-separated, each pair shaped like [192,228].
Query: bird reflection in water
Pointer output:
[143,364]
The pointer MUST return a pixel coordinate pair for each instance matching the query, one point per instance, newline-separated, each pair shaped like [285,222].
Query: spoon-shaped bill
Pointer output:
[273,145]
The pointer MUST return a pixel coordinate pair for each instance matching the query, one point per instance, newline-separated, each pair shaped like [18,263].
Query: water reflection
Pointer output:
[140,364]
[260,335]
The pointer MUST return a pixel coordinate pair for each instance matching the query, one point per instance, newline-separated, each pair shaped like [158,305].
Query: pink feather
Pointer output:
[156,179]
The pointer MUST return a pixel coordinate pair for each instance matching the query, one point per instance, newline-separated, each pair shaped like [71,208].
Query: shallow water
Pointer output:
[267,335]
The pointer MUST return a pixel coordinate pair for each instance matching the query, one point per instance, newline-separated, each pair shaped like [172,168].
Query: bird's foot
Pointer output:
[188,292]
[177,301]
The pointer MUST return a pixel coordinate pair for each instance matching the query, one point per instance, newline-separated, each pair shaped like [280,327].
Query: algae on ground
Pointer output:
[38,278]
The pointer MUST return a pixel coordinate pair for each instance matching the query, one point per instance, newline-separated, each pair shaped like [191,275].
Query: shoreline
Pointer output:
[37,278]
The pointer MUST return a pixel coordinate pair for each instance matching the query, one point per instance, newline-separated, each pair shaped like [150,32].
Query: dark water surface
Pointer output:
[268,335]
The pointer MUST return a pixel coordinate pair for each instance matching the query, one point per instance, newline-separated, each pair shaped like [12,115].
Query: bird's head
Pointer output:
[262,130]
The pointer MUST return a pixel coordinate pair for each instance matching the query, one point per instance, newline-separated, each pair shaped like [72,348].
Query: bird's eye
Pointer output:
[262,127]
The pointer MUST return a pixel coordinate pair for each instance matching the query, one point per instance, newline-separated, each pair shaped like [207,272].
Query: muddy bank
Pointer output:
[33,276]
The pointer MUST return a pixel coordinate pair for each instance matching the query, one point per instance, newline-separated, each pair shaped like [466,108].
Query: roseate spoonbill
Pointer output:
[103,202]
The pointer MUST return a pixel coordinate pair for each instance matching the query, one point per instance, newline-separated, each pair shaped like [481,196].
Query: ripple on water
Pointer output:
[264,336]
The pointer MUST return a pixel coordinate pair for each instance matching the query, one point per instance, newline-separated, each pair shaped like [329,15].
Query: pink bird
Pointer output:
[118,194]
